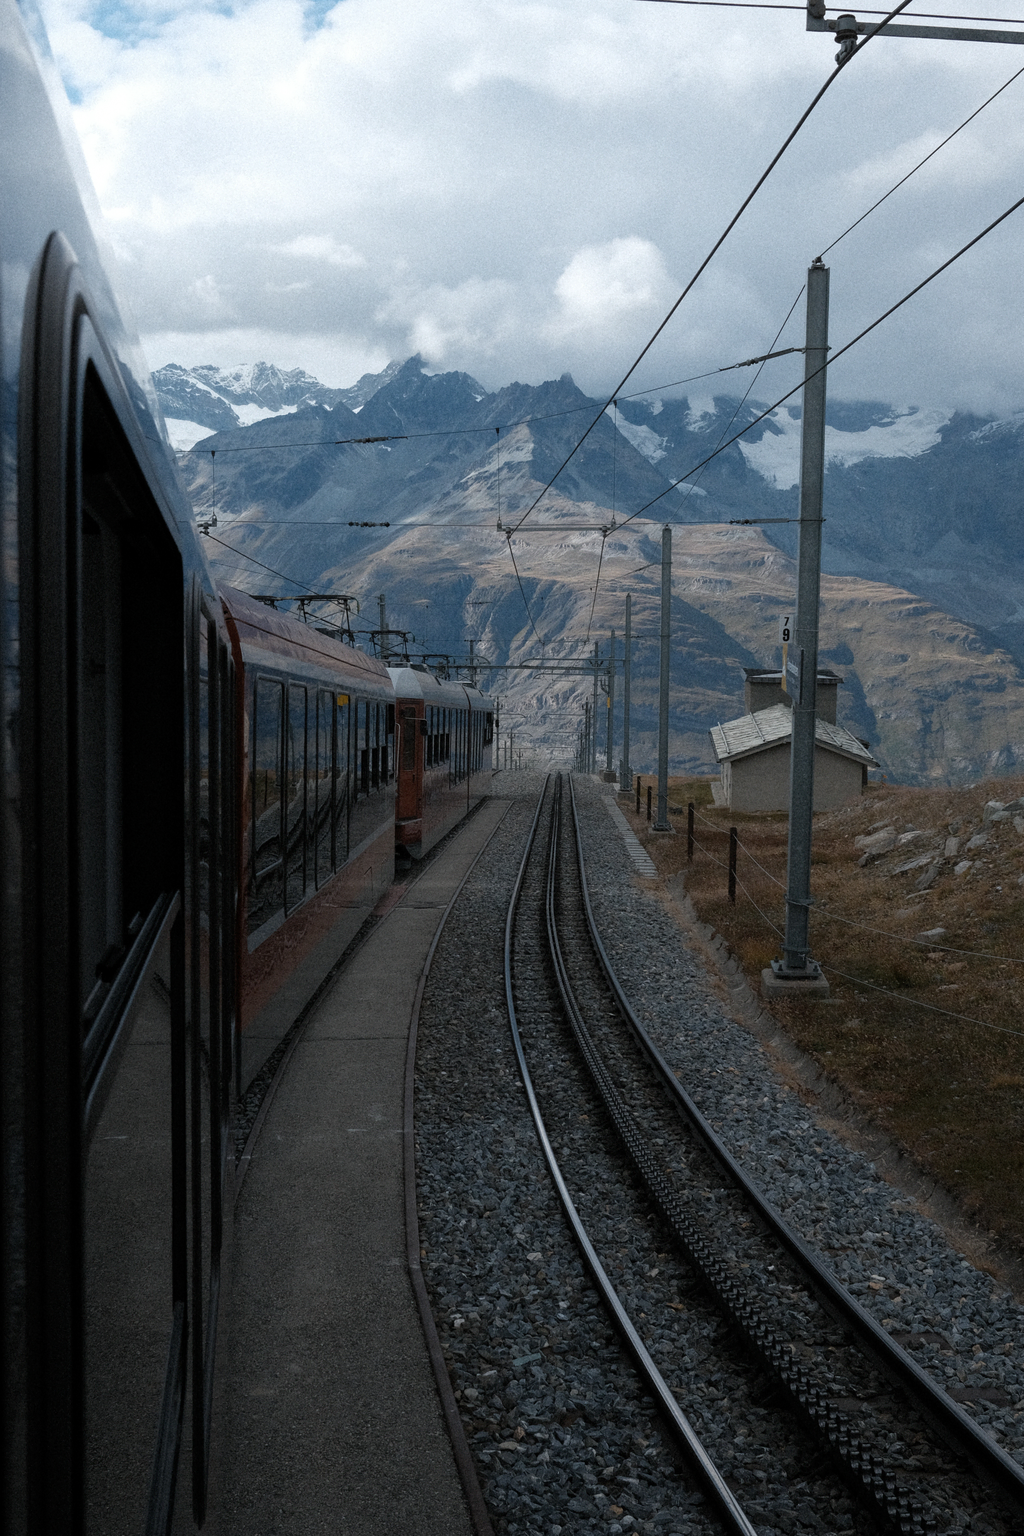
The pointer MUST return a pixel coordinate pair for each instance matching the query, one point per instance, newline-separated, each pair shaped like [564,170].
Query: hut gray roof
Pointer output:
[770,727]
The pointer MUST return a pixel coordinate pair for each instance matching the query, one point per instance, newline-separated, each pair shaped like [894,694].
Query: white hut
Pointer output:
[754,754]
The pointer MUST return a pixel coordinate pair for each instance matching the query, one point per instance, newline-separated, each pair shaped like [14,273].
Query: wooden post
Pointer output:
[648,802]
[732,865]
[689,833]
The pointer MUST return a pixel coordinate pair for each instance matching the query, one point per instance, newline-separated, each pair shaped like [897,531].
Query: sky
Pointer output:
[522,188]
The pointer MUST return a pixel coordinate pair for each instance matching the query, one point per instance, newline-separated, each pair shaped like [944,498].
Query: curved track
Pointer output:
[558,973]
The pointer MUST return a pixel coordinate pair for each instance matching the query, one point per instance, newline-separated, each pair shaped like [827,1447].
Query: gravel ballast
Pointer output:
[563,1439]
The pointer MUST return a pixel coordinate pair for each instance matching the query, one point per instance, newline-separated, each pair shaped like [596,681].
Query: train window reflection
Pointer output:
[266,896]
[296,796]
[323,783]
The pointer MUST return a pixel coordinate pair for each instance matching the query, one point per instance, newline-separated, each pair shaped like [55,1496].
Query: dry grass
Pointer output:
[950,1093]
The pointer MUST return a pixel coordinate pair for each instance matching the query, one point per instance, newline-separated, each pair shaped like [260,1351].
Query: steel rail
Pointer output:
[815,1403]
[714,1486]
[956,1428]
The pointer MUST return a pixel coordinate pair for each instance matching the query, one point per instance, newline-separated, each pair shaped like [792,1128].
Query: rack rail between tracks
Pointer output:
[874,1483]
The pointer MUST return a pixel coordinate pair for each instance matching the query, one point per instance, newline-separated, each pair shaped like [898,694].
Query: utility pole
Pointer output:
[796,972]
[625,773]
[592,768]
[611,708]
[662,824]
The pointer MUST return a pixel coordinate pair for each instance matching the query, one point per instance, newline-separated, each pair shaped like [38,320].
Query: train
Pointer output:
[202,802]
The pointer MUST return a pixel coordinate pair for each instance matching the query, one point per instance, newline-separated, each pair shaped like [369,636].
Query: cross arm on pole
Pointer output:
[847,27]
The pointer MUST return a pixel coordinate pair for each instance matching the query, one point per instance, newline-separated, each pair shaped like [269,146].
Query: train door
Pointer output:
[410,797]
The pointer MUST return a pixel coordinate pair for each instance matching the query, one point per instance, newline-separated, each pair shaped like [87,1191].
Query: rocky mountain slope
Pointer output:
[919,601]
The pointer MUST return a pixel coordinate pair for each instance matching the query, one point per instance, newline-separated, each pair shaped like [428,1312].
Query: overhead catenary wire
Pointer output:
[711,255]
[903,179]
[762,361]
[306,592]
[831,360]
[523,421]
[773,5]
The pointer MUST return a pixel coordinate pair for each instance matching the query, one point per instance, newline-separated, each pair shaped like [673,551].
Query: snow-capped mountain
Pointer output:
[922,546]
[199,401]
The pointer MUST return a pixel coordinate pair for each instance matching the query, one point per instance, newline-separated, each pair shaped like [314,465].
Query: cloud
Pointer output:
[522,188]
[322,248]
[624,279]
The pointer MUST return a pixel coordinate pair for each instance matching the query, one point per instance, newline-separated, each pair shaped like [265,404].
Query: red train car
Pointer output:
[316,726]
[446,731]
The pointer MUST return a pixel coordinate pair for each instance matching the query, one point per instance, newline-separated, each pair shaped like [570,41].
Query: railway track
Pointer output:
[620,1134]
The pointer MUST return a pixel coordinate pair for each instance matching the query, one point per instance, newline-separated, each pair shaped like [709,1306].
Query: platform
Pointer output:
[334,1418]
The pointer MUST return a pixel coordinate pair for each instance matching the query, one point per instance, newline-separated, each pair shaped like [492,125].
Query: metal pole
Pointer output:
[611,707]
[796,967]
[624,775]
[593,718]
[663,824]
[384,651]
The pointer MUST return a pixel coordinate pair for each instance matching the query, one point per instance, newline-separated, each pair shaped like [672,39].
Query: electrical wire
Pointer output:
[253,561]
[524,421]
[916,1002]
[852,922]
[768,5]
[762,361]
[833,359]
[522,589]
[919,164]
[597,583]
[712,253]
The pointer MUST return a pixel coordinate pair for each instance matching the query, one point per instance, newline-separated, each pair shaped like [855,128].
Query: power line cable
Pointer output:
[917,1002]
[822,911]
[712,253]
[829,361]
[768,5]
[524,421]
[306,592]
[763,361]
[920,163]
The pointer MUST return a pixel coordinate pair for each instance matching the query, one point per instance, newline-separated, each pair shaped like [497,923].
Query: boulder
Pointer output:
[875,845]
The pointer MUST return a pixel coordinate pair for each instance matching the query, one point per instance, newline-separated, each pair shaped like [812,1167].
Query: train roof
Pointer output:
[415,682]
[260,625]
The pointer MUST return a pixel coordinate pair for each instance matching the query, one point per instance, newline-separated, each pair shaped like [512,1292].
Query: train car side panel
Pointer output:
[317,800]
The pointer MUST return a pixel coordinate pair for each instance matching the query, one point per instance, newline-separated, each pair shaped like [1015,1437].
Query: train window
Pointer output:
[390,746]
[295,807]
[374,746]
[363,711]
[488,728]
[266,894]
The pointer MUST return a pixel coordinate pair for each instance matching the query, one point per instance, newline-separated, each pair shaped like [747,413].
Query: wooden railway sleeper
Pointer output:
[867,1476]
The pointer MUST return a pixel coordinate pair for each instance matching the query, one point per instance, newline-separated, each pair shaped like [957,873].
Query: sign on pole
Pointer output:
[785,635]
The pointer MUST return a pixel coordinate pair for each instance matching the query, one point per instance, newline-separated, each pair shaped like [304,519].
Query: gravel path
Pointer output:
[564,1443]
